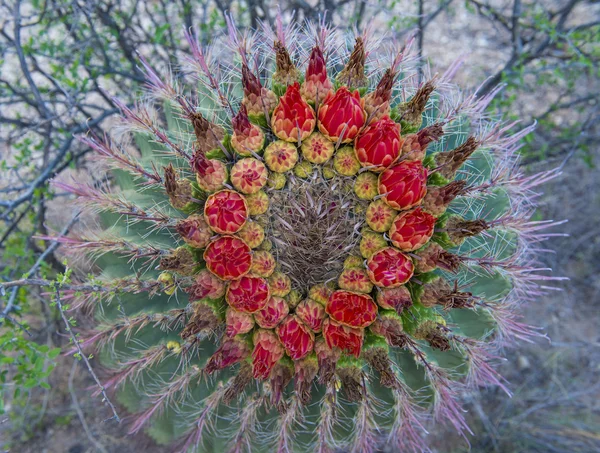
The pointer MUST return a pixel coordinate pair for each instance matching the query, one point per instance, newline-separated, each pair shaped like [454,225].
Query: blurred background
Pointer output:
[56,55]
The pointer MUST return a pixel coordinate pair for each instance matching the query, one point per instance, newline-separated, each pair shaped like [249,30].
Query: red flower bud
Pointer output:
[267,351]
[297,339]
[347,339]
[316,85]
[272,313]
[293,119]
[389,268]
[226,211]
[237,322]
[248,294]
[404,185]
[411,230]
[257,99]
[312,314]
[342,115]
[379,144]
[228,257]
[352,309]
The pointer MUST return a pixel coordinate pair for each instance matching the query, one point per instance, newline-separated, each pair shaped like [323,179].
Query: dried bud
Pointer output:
[397,299]
[206,285]
[377,357]
[438,198]
[440,292]
[281,376]
[353,74]
[327,358]
[194,231]
[305,372]
[459,229]
[179,260]
[433,256]
[434,333]
[232,351]
[389,326]
[239,383]
[352,381]
[179,190]
[209,136]
[285,73]
[377,103]
[411,112]
[449,162]
[258,101]
[204,317]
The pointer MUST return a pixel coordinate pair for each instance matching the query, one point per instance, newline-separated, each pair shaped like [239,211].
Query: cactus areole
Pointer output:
[323,262]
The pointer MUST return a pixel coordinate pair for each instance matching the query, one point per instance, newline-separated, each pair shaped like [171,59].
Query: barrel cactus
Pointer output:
[308,249]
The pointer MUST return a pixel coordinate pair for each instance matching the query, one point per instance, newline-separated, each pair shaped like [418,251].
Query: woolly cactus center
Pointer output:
[314,226]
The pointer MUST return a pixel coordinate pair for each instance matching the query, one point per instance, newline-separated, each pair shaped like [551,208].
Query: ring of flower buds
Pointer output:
[260,296]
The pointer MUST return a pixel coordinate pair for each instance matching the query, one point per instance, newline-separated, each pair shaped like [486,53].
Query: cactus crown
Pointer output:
[308,260]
